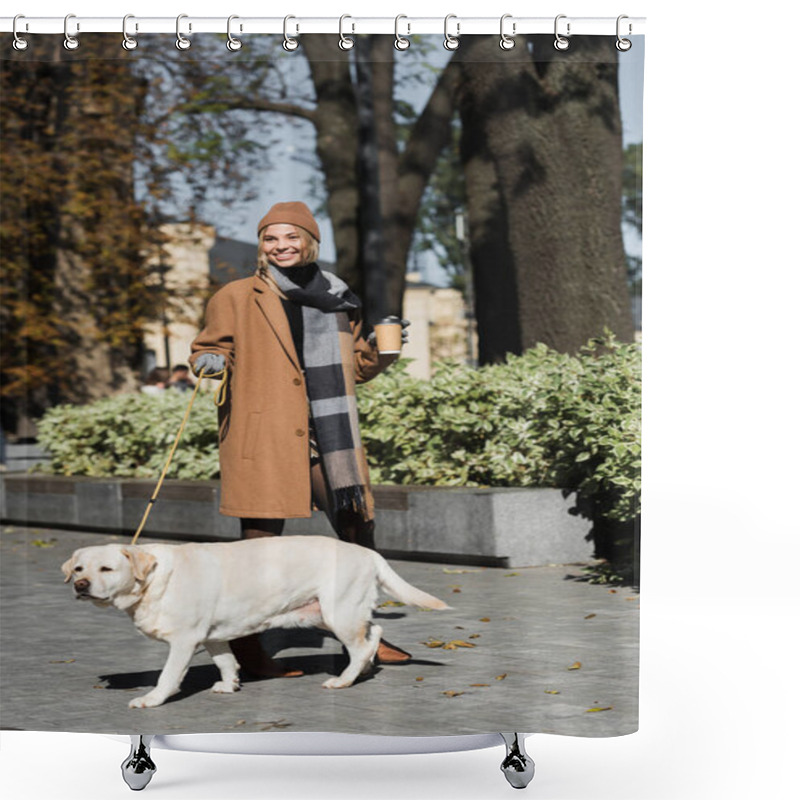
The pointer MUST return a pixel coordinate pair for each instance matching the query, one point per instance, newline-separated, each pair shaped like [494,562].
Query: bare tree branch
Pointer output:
[236,103]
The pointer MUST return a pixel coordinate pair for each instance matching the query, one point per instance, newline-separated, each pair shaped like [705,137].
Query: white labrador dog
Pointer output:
[207,594]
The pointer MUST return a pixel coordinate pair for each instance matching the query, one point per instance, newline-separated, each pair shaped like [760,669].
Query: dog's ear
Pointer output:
[141,562]
[66,568]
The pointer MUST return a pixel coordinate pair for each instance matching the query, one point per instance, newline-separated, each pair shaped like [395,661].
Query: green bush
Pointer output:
[540,419]
[130,435]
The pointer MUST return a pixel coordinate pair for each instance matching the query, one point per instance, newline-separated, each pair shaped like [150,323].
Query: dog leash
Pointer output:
[219,399]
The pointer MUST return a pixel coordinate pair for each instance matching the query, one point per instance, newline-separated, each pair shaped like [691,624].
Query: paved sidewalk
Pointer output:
[67,665]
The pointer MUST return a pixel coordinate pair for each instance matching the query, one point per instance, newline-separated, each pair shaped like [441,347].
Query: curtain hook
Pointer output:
[19,43]
[507,42]
[561,42]
[623,44]
[182,43]
[70,42]
[345,42]
[233,44]
[128,42]
[451,42]
[400,42]
[289,44]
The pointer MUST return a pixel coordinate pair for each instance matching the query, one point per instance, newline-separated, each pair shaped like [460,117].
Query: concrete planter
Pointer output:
[496,527]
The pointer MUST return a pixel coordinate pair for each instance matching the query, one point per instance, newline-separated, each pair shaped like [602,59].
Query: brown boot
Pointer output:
[390,654]
[256,663]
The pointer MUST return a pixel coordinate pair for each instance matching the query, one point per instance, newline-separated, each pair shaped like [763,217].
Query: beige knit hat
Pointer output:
[294,213]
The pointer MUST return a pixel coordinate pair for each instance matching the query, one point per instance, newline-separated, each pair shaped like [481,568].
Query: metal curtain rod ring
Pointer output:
[233,44]
[345,42]
[623,44]
[19,43]
[507,42]
[289,44]
[70,42]
[400,42]
[451,42]
[128,42]
[561,42]
[182,43]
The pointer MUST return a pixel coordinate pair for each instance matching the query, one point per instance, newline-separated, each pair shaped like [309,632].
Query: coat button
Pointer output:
[297,381]
[300,432]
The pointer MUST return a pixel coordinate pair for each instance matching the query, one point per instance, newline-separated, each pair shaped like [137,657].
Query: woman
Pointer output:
[290,337]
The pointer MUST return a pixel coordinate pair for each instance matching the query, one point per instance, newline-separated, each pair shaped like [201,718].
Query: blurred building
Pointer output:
[194,260]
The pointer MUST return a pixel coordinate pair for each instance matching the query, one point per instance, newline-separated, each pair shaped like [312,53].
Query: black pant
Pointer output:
[350,526]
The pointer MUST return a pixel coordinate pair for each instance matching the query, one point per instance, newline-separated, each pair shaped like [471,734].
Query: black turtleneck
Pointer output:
[294,311]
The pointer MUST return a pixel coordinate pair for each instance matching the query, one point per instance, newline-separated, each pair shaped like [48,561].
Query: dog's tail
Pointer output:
[401,590]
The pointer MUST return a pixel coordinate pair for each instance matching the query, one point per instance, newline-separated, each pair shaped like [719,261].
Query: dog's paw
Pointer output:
[336,683]
[149,700]
[226,687]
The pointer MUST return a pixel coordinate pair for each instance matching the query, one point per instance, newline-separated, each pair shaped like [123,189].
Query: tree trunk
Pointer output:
[542,156]
[371,168]
[336,124]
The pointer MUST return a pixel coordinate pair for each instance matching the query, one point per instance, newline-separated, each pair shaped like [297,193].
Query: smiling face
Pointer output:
[285,245]
[105,572]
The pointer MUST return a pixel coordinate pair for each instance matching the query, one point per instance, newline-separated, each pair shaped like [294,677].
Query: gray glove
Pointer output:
[372,338]
[213,363]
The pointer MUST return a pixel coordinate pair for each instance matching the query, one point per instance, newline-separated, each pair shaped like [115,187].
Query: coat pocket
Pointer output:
[251,434]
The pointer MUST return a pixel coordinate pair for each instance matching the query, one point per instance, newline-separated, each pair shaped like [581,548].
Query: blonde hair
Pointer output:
[310,244]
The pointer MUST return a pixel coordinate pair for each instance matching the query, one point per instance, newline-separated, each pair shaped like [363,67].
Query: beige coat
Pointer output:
[264,449]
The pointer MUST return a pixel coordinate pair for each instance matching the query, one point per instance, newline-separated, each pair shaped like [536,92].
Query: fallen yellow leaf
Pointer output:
[420,679]
[433,643]
[457,643]
[576,665]
[474,636]
[458,571]
[501,677]
[65,661]
[452,694]
[551,691]
[485,619]
[479,684]
[595,710]
[511,575]
[590,616]
[391,603]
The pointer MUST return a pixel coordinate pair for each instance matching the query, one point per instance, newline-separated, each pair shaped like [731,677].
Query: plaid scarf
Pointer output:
[330,380]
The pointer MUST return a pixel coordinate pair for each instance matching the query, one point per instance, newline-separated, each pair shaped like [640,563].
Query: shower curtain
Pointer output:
[490,196]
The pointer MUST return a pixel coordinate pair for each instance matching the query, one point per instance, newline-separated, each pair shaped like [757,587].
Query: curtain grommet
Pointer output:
[561,43]
[19,44]
[400,42]
[623,45]
[289,44]
[345,42]
[128,42]
[507,41]
[451,42]
[181,42]
[70,42]
[233,44]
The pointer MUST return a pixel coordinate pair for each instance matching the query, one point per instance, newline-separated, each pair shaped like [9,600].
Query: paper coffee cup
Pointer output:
[389,337]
